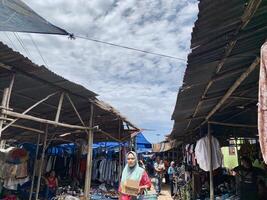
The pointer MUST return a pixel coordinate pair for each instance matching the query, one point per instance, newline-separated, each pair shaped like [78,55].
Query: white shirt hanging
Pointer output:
[203,155]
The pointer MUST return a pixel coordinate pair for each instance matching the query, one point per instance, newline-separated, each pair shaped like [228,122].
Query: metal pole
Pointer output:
[211,165]
[41,164]
[89,156]
[35,162]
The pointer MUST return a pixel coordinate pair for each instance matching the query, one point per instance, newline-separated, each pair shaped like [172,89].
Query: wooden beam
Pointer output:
[28,129]
[35,166]
[30,108]
[88,174]
[233,125]
[234,86]
[211,164]
[41,164]
[9,68]
[75,109]
[244,98]
[44,121]
[2,115]
[10,89]
[109,135]
[61,99]
[32,99]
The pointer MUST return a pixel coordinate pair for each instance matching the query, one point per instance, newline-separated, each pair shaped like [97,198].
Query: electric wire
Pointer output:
[38,50]
[12,43]
[130,48]
[22,44]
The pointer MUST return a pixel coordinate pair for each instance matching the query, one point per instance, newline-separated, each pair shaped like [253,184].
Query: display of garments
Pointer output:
[22,170]
[262,105]
[202,153]
[49,164]
[12,183]
[105,170]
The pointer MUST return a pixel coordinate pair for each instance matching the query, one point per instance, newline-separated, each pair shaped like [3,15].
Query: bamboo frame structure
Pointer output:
[246,17]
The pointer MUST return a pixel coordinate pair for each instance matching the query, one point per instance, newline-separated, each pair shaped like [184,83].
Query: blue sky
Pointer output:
[142,87]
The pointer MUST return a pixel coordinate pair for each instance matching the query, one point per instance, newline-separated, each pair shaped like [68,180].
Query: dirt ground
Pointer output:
[165,193]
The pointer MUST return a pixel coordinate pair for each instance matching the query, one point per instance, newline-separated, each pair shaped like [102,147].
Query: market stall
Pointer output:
[221,85]
[42,108]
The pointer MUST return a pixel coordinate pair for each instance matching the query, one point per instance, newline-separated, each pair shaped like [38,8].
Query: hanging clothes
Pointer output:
[203,155]
[262,105]
[49,164]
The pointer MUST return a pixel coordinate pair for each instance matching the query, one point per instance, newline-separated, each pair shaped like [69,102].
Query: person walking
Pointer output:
[171,173]
[132,171]
[159,170]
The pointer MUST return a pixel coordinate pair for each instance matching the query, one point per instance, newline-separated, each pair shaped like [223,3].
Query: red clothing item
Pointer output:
[145,181]
[52,182]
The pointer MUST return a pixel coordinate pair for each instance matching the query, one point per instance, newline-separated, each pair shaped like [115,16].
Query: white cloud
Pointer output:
[143,87]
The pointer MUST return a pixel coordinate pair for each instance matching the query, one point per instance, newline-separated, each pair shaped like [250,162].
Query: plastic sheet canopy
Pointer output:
[16,16]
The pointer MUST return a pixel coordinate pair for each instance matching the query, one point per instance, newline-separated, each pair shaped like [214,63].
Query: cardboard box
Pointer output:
[130,187]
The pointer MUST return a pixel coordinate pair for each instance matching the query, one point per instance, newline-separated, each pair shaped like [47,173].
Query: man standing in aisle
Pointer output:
[159,170]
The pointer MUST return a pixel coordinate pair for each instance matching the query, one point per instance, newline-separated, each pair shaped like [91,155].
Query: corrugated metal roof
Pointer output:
[33,83]
[221,35]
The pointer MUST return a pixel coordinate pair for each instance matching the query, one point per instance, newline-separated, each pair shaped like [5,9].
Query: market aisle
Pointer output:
[165,193]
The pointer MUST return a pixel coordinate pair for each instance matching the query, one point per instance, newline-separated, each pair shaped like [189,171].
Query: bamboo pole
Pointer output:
[211,164]
[10,89]
[44,121]
[41,164]
[75,109]
[35,165]
[233,125]
[89,156]
[234,86]
[30,108]
[3,104]
[61,99]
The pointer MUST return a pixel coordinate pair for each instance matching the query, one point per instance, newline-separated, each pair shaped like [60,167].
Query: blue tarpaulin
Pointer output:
[16,16]
[142,142]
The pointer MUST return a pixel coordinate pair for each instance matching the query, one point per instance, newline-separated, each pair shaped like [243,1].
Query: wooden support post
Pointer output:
[59,106]
[3,104]
[10,89]
[41,164]
[88,175]
[35,165]
[211,165]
